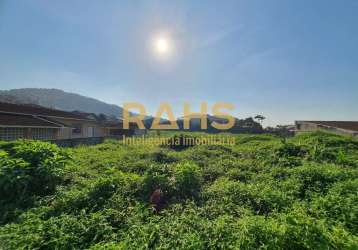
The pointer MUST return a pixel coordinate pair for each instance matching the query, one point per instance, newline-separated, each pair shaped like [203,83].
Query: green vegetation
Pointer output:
[262,193]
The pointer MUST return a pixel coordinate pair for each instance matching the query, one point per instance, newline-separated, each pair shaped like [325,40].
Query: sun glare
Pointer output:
[162,46]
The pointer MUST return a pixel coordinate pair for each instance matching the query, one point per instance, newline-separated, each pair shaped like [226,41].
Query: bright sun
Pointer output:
[162,46]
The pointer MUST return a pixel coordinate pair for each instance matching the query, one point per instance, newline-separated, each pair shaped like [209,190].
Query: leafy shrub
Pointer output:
[187,180]
[261,198]
[319,178]
[322,153]
[290,149]
[179,181]
[287,155]
[28,169]
[62,232]
[158,177]
[96,194]
[162,156]
[31,168]
[340,205]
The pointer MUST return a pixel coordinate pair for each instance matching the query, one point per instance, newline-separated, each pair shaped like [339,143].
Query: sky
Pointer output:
[287,60]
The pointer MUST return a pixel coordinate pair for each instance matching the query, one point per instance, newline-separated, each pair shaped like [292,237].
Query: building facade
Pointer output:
[337,127]
[18,121]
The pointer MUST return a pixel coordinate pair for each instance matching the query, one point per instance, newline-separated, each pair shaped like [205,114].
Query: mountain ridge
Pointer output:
[60,99]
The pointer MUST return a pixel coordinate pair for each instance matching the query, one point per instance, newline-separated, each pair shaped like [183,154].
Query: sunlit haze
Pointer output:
[286,60]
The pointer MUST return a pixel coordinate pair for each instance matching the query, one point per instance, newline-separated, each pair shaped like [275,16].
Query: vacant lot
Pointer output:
[263,192]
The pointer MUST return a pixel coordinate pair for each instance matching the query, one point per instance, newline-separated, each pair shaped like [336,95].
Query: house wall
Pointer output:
[306,127]
[82,129]
[302,127]
[9,134]
[14,133]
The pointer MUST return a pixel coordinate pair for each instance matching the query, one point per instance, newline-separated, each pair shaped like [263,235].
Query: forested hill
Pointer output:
[59,99]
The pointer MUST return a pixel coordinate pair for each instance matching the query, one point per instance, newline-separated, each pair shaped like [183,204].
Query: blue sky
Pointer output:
[285,59]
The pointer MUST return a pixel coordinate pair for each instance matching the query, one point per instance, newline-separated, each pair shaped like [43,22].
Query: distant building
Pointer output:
[36,122]
[114,129]
[282,130]
[338,127]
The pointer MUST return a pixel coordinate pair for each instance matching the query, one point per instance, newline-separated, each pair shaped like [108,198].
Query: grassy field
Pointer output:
[261,193]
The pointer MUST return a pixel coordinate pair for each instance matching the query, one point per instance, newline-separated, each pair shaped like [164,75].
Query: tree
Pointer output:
[100,117]
[260,118]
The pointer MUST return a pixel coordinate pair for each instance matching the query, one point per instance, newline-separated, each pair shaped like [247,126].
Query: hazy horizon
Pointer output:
[283,59]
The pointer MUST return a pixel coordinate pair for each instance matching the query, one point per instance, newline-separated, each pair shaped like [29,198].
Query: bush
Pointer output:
[290,149]
[187,180]
[30,168]
[260,198]
[315,178]
[340,205]
[96,194]
[177,182]
[161,156]
[62,232]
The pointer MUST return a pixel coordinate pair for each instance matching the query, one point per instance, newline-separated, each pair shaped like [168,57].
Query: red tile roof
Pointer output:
[39,111]
[25,121]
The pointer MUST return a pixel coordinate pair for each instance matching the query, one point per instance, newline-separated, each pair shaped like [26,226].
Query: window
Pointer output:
[77,129]
[65,133]
[90,132]
[43,133]
[9,134]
